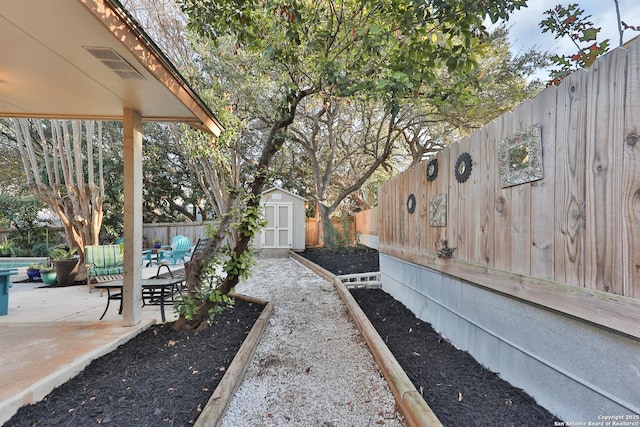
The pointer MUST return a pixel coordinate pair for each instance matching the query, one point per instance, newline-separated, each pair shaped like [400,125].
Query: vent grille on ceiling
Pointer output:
[115,62]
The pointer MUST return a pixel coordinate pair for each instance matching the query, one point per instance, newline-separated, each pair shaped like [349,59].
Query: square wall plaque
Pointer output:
[438,210]
[520,157]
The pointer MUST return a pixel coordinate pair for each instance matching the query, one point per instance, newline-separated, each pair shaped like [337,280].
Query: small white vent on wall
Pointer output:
[116,63]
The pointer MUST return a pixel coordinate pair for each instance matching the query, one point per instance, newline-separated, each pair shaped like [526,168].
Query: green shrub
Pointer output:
[19,252]
[39,249]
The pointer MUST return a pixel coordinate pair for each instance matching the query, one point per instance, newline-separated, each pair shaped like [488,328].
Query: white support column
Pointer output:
[132,289]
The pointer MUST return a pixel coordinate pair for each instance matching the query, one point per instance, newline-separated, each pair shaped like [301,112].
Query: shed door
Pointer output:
[278,233]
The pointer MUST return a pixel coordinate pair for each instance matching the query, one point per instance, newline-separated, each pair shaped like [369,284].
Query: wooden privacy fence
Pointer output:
[570,241]
[167,231]
[366,222]
[314,232]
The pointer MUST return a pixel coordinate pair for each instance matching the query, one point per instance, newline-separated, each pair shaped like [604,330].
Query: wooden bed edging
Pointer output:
[412,406]
[218,403]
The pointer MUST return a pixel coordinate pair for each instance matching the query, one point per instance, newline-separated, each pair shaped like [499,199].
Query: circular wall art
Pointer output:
[411,203]
[432,169]
[463,167]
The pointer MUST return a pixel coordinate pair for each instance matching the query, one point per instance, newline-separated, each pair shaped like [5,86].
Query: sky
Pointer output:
[525,32]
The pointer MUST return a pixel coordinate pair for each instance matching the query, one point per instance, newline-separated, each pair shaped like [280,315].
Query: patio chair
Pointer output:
[178,251]
[147,255]
[199,247]
[104,264]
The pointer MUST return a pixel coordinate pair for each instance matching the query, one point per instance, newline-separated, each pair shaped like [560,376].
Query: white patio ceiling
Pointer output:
[51,67]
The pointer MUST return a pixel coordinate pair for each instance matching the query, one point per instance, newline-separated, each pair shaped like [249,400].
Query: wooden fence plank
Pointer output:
[395,210]
[442,187]
[569,188]
[521,202]
[474,236]
[503,225]
[467,217]
[488,168]
[603,226]
[405,239]
[631,177]
[416,218]
[427,230]
[384,229]
[543,225]
[453,210]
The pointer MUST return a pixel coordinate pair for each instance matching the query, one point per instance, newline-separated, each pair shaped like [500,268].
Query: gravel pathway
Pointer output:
[312,366]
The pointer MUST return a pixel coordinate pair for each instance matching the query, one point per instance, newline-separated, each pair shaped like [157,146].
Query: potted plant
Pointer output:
[48,275]
[33,272]
[157,243]
[65,263]
[6,248]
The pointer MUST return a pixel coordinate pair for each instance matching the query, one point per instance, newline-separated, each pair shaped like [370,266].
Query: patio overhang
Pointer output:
[89,59]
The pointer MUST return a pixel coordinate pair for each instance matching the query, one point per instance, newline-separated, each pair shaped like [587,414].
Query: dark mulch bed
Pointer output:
[164,377]
[359,259]
[160,377]
[457,388]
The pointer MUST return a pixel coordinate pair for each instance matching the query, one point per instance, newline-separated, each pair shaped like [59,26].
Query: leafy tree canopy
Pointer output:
[570,22]
[392,48]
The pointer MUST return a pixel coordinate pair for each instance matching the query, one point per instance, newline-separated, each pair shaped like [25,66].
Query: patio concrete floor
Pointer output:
[50,334]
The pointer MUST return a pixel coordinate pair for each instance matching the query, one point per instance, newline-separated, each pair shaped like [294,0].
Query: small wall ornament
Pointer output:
[444,251]
[438,210]
[520,157]
[432,169]
[411,203]
[463,167]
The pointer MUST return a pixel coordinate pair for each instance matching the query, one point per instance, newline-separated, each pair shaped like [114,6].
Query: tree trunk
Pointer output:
[328,230]
[273,144]
[78,203]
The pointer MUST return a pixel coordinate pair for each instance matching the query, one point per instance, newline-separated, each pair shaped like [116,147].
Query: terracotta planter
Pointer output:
[66,271]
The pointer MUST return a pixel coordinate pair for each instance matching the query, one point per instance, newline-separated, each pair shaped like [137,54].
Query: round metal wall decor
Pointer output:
[463,167]
[432,169]
[411,203]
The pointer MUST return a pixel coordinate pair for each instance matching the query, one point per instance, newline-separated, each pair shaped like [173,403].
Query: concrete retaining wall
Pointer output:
[576,370]
[368,240]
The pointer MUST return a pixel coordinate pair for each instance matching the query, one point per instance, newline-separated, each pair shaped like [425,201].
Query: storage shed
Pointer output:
[284,212]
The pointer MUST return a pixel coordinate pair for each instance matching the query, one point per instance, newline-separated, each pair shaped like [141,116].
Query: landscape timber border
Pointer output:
[412,406]
[219,401]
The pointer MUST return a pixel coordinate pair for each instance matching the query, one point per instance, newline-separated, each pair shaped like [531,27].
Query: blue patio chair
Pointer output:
[178,251]
[175,239]
[147,255]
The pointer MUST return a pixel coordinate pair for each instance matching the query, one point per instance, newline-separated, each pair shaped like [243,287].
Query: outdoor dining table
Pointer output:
[154,292]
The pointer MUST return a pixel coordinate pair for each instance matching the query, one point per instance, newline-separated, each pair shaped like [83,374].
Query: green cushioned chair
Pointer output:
[104,263]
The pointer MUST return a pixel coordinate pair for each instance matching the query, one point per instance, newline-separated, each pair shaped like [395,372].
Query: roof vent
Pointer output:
[115,62]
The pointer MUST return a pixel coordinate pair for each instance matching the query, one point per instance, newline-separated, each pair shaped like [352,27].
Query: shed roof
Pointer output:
[272,189]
